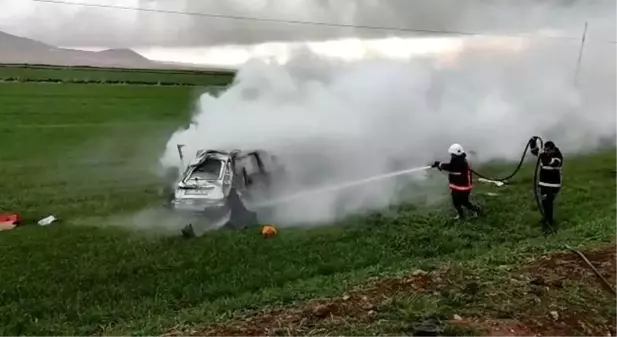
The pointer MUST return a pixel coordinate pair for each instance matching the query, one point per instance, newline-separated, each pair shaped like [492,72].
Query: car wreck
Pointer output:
[217,185]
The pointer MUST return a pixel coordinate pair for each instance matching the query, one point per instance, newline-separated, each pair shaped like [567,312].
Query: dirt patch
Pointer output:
[566,325]
[572,324]
[552,272]
[568,266]
[359,304]
[497,327]
[554,313]
[541,282]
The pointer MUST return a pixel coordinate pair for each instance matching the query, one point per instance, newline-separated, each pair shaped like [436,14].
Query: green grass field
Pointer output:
[68,74]
[83,152]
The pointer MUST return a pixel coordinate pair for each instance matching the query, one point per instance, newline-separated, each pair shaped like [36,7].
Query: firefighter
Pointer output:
[459,178]
[551,162]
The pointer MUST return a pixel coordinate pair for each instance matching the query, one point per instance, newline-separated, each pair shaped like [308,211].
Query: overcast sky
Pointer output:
[67,25]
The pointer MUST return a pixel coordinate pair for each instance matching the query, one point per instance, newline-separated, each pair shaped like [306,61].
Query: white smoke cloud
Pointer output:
[332,121]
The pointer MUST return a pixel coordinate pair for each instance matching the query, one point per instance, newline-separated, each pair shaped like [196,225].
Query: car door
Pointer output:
[227,177]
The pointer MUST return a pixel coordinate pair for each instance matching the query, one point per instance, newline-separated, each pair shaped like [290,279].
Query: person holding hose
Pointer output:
[459,179]
[551,162]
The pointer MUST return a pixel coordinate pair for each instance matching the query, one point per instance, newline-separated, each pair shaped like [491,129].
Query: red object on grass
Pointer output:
[10,218]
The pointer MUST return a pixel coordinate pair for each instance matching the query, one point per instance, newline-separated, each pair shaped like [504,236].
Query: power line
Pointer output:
[301,22]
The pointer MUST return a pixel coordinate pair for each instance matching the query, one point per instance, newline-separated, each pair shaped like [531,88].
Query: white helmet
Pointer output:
[456,149]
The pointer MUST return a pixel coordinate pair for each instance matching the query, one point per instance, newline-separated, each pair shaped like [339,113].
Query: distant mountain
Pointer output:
[10,42]
[15,49]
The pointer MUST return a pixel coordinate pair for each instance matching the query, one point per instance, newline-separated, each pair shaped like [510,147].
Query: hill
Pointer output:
[16,49]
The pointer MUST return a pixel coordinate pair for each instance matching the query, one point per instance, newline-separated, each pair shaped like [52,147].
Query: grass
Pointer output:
[82,152]
[91,74]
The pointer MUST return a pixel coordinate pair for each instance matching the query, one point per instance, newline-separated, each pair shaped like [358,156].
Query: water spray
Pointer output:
[340,186]
[497,181]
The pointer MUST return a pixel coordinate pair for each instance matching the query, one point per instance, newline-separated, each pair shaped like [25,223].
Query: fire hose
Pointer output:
[588,263]
[536,190]
[393,174]
[537,196]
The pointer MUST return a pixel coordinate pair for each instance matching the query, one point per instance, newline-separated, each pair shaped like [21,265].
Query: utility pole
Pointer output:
[580,54]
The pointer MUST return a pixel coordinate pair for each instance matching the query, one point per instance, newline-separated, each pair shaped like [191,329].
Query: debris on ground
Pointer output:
[429,327]
[418,272]
[494,182]
[47,220]
[6,226]
[9,221]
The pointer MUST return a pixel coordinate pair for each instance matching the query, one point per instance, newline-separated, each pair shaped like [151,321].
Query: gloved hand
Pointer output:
[435,164]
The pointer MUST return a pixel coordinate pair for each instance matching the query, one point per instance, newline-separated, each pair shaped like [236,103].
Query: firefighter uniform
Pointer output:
[459,180]
[549,183]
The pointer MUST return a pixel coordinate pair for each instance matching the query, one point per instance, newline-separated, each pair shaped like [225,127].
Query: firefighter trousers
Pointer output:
[460,199]
[548,195]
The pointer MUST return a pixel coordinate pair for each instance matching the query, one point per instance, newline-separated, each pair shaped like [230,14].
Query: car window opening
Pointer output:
[210,169]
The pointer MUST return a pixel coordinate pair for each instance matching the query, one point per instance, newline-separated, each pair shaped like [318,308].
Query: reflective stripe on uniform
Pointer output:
[456,173]
[551,168]
[460,188]
[548,184]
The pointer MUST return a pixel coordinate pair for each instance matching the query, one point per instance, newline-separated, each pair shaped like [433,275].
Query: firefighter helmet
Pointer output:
[456,149]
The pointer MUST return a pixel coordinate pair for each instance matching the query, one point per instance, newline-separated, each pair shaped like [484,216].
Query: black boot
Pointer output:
[477,211]
[547,228]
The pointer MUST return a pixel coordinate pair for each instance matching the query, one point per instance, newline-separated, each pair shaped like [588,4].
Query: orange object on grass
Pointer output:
[268,231]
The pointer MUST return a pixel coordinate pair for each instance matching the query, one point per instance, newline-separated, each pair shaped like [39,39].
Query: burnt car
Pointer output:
[217,185]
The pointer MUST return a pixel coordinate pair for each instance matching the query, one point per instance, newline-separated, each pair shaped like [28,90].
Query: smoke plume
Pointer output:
[332,122]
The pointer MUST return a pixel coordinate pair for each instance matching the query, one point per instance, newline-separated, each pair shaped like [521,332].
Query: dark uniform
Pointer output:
[551,162]
[460,183]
